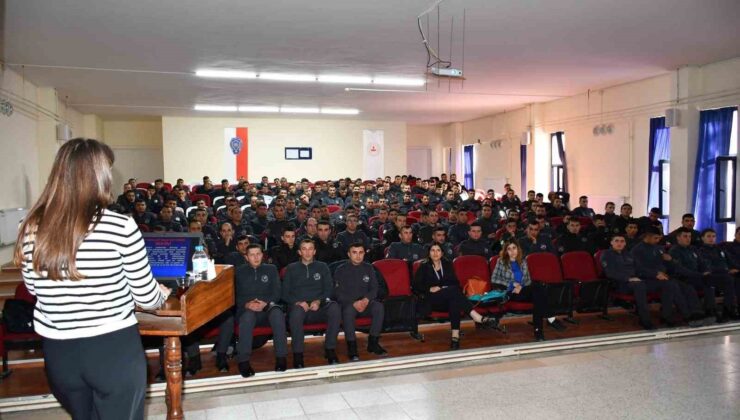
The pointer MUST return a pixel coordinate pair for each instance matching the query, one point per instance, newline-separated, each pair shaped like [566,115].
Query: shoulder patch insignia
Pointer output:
[264,278]
[317,276]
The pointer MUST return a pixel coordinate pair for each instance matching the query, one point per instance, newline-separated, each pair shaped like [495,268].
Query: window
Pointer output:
[468,165]
[664,186]
[726,185]
[559,174]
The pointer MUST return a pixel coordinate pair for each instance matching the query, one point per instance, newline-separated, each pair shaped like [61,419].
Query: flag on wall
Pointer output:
[372,154]
[236,153]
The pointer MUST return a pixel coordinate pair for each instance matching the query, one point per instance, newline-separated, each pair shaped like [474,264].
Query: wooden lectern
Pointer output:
[204,301]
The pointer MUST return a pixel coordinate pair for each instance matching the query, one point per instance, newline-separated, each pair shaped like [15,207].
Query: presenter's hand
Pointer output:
[435,289]
[315,305]
[303,305]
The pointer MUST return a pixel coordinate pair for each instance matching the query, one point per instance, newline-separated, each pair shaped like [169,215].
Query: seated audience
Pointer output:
[583,210]
[721,271]
[475,244]
[406,249]
[287,251]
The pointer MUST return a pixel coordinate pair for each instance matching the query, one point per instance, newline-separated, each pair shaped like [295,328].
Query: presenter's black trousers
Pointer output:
[101,377]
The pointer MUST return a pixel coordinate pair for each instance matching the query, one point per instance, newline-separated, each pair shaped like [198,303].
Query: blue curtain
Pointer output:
[561,153]
[715,128]
[468,166]
[660,149]
[523,165]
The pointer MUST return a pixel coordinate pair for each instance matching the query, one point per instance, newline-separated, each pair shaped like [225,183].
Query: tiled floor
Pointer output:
[694,378]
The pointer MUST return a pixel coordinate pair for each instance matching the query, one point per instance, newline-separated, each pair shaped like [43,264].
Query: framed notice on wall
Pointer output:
[298,153]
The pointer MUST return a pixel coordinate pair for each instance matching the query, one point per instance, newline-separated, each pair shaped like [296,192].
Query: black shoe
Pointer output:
[647,325]
[298,361]
[373,346]
[667,322]
[246,369]
[557,325]
[489,322]
[222,364]
[194,365]
[539,334]
[696,320]
[281,364]
[352,351]
[331,356]
[455,343]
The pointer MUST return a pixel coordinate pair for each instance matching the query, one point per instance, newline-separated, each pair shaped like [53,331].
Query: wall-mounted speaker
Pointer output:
[526,139]
[64,132]
[672,117]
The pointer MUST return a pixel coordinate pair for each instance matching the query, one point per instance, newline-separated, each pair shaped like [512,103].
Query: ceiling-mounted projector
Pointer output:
[447,72]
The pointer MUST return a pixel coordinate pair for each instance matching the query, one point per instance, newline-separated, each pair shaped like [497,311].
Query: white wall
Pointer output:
[428,137]
[28,141]
[137,145]
[193,147]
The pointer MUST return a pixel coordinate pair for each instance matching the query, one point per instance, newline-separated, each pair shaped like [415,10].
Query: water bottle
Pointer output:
[200,263]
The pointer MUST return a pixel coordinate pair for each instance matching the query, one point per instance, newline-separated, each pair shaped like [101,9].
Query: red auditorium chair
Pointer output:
[410,221]
[167,186]
[585,221]
[415,213]
[443,214]
[204,197]
[400,304]
[142,185]
[544,267]
[556,221]
[590,291]
[22,340]
[492,263]
[144,228]
[467,266]
[333,208]
[471,217]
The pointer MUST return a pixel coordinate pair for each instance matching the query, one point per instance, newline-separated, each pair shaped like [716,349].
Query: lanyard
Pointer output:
[440,274]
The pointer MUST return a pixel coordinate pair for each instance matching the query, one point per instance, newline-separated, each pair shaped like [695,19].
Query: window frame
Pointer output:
[732,161]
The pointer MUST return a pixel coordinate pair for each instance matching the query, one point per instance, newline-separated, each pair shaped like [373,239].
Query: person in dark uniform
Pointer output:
[406,249]
[651,264]
[609,216]
[440,238]
[356,291]
[600,234]
[651,220]
[619,267]
[631,234]
[287,252]
[573,240]
[488,222]
[394,234]
[351,235]
[583,210]
[141,215]
[721,271]
[625,216]
[426,230]
[689,268]
[307,289]
[166,222]
[327,250]
[557,209]
[475,244]
[732,251]
[533,242]
[225,244]
[459,231]
[257,293]
[436,284]
[259,221]
[687,222]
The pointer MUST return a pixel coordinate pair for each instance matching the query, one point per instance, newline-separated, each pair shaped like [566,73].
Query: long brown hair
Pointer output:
[77,191]
[504,256]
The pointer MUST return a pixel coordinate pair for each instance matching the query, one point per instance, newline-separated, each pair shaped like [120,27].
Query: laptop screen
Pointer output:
[170,254]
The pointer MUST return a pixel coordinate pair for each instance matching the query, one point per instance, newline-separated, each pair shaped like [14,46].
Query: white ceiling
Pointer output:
[516,51]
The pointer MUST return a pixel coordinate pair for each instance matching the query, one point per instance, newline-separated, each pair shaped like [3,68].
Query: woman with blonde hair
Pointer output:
[88,268]
[512,273]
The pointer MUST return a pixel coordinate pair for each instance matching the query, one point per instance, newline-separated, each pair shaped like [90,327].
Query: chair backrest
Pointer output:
[144,228]
[167,186]
[467,266]
[471,217]
[556,221]
[415,213]
[492,264]
[333,208]
[372,219]
[396,274]
[415,266]
[578,265]
[410,221]
[544,267]
[282,271]
[142,185]
[189,209]
[217,200]
[597,264]
[21,293]
[585,221]
[443,214]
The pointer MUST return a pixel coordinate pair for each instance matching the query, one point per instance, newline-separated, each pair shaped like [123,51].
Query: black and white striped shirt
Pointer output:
[113,260]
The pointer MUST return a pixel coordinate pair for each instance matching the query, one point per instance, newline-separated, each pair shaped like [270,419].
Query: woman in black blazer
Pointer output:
[436,284]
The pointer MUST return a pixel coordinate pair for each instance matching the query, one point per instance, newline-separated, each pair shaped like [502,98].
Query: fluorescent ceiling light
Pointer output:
[287,77]
[340,111]
[355,80]
[298,110]
[218,108]
[250,108]
[397,81]
[226,74]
